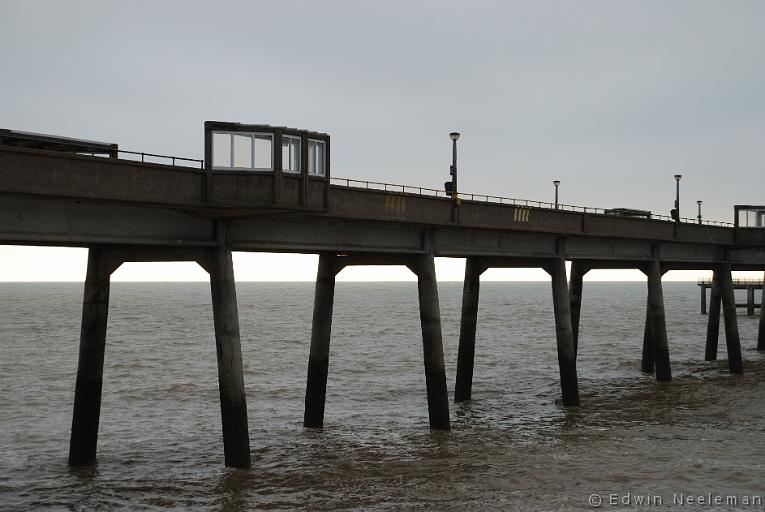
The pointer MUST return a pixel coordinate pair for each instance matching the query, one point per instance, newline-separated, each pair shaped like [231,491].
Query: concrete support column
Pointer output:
[432,343]
[750,301]
[466,354]
[90,368]
[703,300]
[761,336]
[647,361]
[564,334]
[732,340]
[318,360]
[575,298]
[713,323]
[658,322]
[233,405]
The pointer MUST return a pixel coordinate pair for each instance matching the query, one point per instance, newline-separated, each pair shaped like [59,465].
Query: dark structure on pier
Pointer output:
[263,188]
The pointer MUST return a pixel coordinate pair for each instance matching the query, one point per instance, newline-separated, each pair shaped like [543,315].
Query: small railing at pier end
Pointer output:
[705,281]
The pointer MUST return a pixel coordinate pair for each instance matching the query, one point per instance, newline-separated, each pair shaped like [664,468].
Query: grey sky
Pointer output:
[610,97]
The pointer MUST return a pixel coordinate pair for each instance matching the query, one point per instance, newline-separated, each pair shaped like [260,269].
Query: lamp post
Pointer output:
[556,183]
[699,217]
[453,170]
[678,177]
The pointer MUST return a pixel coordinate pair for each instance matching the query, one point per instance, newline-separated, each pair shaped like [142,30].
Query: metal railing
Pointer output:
[138,156]
[511,201]
[736,282]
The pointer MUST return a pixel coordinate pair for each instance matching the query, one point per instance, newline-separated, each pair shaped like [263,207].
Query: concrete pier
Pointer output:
[713,324]
[658,322]
[466,352]
[90,368]
[578,271]
[318,360]
[647,361]
[432,343]
[233,405]
[732,341]
[564,333]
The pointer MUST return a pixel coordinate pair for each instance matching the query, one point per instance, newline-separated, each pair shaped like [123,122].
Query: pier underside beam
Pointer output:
[732,340]
[713,322]
[658,325]
[466,353]
[564,333]
[318,360]
[761,335]
[90,368]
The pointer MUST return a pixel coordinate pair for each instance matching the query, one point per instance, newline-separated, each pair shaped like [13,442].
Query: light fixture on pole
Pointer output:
[699,203]
[451,187]
[556,183]
[676,211]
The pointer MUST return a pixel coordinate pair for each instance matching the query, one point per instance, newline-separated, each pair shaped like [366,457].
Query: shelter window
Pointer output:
[249,151]
[316,158]
[290,153]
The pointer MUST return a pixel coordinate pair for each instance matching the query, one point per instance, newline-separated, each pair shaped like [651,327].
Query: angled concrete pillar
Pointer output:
[713,322]
[750,301]
[647,361]
[761,336]
[658,322]
[466,354]
[432,342]
[703,299]
[564,333]
[233,405]
[90,368]
[318,360]
[732,341]
[575,298]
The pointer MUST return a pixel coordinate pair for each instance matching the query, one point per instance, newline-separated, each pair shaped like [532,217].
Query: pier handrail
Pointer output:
[484,198]
[736,282]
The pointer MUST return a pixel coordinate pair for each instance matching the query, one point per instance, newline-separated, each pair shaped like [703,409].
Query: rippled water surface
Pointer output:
[511,448]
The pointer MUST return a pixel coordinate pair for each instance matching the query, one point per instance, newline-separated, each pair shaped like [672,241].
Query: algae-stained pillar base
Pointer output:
[658,322]
[318,360]
[732,341]
[432,342]
[466,354]
[575,298]
[564,333]
[713,323]
[647,361]
[761,336]
[90,368]
[233,406]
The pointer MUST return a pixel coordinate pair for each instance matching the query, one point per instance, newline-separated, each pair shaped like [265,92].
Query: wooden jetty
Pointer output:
[270,189]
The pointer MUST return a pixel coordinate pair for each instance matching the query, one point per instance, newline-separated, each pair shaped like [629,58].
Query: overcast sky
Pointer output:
[610,97]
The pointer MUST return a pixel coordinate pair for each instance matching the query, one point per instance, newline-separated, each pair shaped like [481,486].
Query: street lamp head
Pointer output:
[699,202]
[556,182]
[454,136]
[678,176]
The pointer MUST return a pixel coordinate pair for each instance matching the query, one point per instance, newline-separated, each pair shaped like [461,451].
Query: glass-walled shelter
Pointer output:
[749,216]
[287,167]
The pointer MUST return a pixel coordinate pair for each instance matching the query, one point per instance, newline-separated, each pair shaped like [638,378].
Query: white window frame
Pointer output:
[323,157]
[299,153]
[253,136]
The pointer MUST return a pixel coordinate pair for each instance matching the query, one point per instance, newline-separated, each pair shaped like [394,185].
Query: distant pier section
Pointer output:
[750,285]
